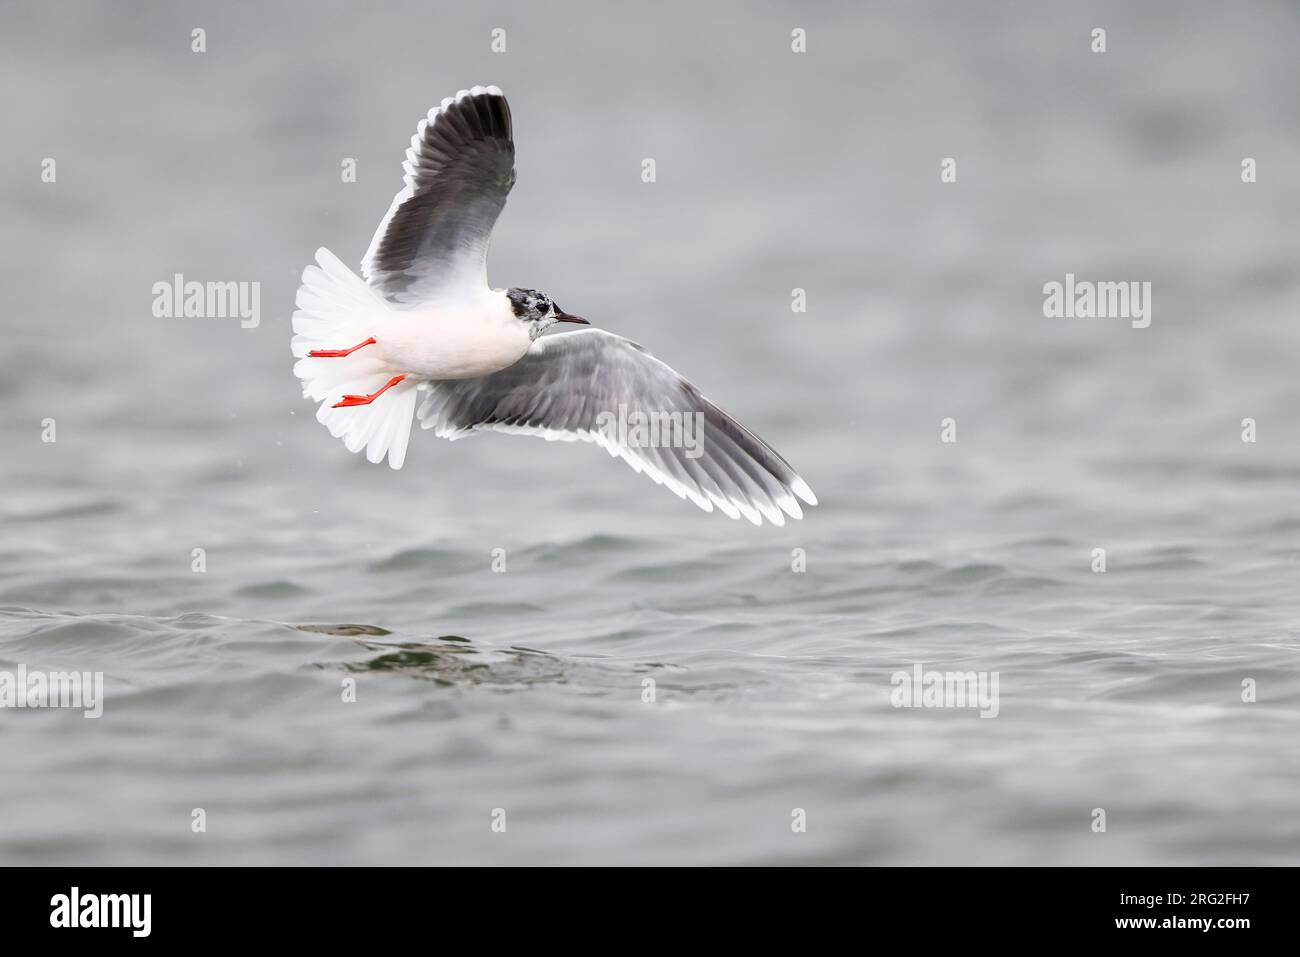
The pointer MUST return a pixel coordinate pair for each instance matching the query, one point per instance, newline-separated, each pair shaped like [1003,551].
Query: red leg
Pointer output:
[340,353]
[351,400]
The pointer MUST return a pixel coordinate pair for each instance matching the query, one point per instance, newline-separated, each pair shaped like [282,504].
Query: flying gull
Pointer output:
[422,325]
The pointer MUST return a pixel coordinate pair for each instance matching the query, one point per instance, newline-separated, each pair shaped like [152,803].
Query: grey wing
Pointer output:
[459,169]
[593,386]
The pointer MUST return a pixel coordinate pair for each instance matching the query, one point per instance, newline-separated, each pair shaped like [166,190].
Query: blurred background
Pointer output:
[524,690]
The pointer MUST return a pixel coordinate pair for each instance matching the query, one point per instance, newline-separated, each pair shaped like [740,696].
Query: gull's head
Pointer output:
[538,310]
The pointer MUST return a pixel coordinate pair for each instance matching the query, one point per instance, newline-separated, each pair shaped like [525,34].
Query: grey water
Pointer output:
[638,682]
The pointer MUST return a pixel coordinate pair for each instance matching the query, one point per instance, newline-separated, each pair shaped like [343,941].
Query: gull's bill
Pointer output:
[560,389]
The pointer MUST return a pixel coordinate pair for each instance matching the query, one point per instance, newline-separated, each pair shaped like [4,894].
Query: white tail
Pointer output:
[337,310]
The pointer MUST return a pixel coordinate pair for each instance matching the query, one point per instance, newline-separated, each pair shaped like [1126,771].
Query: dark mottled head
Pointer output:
[536,308]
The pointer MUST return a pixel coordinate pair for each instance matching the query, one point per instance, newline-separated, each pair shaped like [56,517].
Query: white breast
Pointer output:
[454,342]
